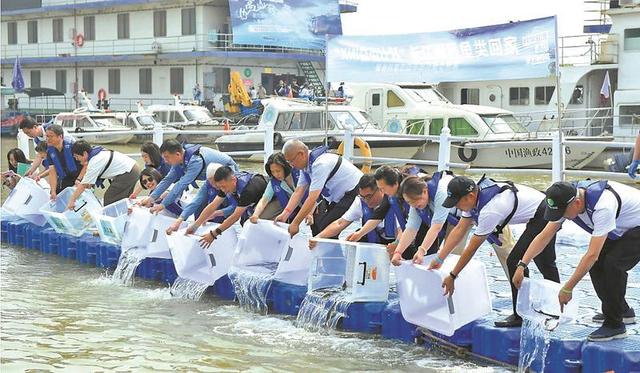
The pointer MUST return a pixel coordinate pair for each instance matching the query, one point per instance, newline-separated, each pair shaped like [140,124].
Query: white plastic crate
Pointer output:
[111,220]
[73,222]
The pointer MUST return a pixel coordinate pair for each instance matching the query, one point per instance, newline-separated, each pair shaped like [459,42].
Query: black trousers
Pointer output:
[67,181]
[545,261]
[326,213]
[609,275]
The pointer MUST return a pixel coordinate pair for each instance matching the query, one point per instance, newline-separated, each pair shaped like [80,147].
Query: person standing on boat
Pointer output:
[206,194]
[282,183]
[197,93]
[150,153]
[610,212]
[492,206]
[262,92]
[325,175]
[99,165]
[63,167]
[369,198]
[188,164]
[635,161]
[243,190]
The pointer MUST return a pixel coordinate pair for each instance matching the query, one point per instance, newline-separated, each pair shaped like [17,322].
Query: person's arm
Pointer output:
[137,190]
[76,193]
[195,203]
[53,181]
[208,211]
[586,262]
[467,254]
[453,239]
[370,225]
[429,239]
[535,248]
[34,165]
[305,210]
[264,201]
[636,151]
[83,172]
[164,184]
[406,238]
[635,162]
[294,201]
[207,238]
[334,228]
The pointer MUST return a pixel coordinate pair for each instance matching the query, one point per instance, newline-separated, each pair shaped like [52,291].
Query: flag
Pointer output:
[605,91]
[18,82]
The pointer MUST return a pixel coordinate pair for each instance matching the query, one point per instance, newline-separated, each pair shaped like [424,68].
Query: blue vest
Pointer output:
[592,192]
[426,214]
[189,151]
[212,192]
[163,168]
[487,189]
[399,212]
[68,158]
[37,140]
[243,180]
[281,194]
[313,155]
[374,236]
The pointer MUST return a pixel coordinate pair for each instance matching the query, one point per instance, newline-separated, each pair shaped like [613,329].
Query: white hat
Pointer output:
[211,169]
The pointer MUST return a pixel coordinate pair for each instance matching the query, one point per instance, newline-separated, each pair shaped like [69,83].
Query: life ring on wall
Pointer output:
[79,40]
[102,94]
[463,157]
[365,150]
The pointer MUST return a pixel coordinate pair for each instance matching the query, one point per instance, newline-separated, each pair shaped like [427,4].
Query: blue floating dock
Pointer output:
[568,349]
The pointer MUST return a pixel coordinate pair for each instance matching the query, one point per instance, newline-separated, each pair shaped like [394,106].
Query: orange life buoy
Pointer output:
[79,40]
[365,150]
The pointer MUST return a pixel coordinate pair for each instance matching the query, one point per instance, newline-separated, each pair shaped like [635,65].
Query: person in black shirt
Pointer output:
[242,189]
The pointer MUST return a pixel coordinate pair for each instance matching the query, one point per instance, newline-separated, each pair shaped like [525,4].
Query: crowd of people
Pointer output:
[411,212]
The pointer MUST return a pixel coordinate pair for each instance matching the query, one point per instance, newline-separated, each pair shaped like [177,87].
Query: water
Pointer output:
[323,309]
[127,265]
[534,344]
[251,285]
[188,289]
[61,316]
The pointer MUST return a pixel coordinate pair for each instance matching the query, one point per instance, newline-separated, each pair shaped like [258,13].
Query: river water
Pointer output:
[57,315]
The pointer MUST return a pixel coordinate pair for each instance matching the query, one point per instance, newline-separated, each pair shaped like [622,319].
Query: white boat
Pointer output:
[485,136]
[184,115]
[91,125]
[142,120]
[295,118]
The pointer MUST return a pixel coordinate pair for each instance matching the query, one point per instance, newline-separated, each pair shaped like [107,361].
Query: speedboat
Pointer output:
[291,118]
[184,115]
[92,125]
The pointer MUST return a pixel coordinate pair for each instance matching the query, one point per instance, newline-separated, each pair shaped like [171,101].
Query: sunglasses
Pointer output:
[146,180]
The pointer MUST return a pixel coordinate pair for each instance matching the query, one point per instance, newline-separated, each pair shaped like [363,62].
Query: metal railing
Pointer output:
[211,41]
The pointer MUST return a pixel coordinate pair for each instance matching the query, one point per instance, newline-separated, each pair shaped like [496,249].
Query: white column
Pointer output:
[348,143]
[444,149]
[557,158]
[268,141]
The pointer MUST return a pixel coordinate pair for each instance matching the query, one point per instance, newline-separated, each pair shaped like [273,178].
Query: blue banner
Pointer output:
[515,50]
[285,23]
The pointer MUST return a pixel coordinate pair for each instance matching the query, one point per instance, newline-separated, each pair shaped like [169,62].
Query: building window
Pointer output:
[58,29]
[145,81]
[35,78]
[89,28]
[61,81]
[177,80]
[519,96]
[160,23]
[12,33]
[470,96]
[114,81]
[189,21]
[629,115]
[543,95]
[87,81]
[32,32]
[393,100]
[123,26]
[632,39]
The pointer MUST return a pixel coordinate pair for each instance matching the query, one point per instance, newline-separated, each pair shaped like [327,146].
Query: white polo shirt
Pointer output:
[496,211]
[120,164]
[604,214]
[344,180]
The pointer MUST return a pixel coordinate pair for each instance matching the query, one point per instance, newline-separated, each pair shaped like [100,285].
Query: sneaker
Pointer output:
[628,318]
[605,333]
[513,321]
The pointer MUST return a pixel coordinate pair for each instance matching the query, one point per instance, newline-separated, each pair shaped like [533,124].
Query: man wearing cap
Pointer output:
[610,211]
[492,206]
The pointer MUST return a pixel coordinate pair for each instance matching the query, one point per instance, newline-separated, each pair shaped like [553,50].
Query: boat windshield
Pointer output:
[107,121]
[356,119]
[198,115]
[425,95]
[146,120]
[503,123]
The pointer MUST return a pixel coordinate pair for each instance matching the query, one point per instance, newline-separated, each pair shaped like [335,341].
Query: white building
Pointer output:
[140,49]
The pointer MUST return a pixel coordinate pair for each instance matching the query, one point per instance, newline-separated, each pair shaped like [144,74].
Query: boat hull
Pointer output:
[120,137]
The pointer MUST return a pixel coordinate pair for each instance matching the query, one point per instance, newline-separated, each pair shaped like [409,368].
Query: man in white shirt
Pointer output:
[492,206]
[610,211]
[370,197]
[323,174]
[100,164]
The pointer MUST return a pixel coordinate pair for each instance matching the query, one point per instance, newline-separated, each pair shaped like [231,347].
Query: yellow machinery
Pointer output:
[237,94]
